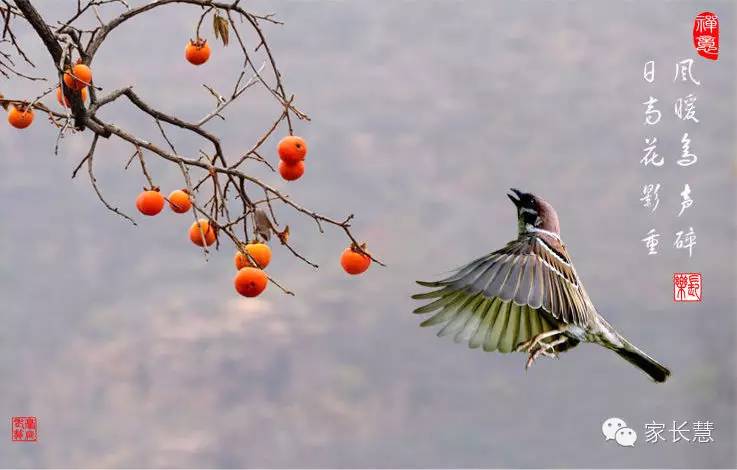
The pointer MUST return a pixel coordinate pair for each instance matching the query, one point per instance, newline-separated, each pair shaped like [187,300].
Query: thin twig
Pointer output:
[93,180]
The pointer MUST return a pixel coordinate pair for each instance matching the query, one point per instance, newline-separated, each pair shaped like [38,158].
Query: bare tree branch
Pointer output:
[221,192]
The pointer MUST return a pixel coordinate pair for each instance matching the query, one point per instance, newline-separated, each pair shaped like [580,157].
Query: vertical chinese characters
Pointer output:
[684,108]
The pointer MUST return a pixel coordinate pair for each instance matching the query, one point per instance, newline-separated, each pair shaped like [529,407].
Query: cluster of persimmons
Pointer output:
[251,258]
[76,79]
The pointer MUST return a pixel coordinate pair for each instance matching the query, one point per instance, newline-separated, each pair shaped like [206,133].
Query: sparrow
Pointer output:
[526,297]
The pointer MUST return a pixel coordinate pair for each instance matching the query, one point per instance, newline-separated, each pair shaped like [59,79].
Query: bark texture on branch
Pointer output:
[52,45]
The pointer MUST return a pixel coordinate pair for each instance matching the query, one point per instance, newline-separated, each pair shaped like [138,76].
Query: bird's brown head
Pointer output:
[534,211]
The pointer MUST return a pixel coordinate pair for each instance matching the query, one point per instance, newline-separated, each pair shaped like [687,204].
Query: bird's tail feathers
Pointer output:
[613,340]
[635,356]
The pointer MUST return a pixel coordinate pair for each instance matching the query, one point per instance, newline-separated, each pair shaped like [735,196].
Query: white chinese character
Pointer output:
[685,108]
[708,22]
[687,158]
[679,433]
[653,432]
[702,432]
[651,156]
[685,242]
[650,196]
[686,199]
[706,43]
[652,115]
[651,242]
[649,72]
[684,68]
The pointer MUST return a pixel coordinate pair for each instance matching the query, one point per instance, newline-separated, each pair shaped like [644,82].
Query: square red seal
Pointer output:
[23,428]
[687,287]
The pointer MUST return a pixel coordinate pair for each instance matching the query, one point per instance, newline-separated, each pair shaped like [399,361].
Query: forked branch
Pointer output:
[218,184]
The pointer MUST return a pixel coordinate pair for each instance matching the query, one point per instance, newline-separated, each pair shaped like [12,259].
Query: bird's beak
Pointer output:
[512,197]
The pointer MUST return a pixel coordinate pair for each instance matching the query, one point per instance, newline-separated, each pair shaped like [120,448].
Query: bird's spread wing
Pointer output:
[509,296]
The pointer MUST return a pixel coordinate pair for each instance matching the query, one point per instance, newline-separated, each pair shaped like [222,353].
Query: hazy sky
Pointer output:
[133,350]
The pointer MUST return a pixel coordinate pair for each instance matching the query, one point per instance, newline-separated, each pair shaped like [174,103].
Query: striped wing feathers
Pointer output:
[487,322]
[507,297]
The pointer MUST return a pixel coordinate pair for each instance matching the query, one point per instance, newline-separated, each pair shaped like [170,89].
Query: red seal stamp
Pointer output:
[687,287]
[706,35]
[24,429]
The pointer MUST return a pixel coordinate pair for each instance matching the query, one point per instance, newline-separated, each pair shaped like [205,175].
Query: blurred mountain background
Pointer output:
[133,350]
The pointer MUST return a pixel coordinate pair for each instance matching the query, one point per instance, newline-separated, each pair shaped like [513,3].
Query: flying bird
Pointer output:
[526,297]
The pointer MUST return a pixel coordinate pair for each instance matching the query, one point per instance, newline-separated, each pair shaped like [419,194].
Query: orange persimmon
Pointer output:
[196,235]
[150,202]
[197,52]
[260,252]
[291,171]
[250,282]
[179,201]
[292,149]
[78,77]
[63,99]
[354,262]
[20,117]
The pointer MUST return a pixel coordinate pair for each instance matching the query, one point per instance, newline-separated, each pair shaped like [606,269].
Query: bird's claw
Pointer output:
[529,345]
[543,349]
[536,341]
[524,347]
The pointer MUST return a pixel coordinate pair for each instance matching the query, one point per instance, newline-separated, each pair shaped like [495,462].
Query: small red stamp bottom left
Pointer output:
[24,428]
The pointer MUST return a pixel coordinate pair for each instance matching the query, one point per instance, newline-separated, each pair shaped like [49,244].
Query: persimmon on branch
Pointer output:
[225,201]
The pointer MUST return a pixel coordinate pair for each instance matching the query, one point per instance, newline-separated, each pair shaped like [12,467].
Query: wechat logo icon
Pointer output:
[616,429]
